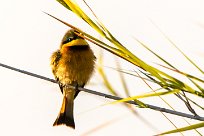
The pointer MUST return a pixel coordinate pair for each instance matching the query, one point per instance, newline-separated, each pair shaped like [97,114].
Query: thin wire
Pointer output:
[107,95]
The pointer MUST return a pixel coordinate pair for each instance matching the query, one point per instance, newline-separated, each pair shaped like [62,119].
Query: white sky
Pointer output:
[29,106]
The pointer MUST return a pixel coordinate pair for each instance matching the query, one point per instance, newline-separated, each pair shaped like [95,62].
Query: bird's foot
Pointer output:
[75,85]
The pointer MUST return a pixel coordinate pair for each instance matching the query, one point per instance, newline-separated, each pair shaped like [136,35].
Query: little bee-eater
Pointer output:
[72,64]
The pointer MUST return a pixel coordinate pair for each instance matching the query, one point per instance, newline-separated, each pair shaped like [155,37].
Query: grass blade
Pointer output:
[195,126]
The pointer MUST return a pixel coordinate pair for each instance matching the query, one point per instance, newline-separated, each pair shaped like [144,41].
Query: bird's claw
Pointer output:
[75,85]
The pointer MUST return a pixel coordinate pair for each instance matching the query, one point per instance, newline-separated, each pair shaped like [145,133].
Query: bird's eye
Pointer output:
[68,39]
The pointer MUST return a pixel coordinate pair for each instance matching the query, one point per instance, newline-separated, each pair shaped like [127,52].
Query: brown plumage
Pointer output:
[72,64]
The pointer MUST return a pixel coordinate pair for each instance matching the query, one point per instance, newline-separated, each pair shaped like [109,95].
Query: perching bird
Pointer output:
[72,64]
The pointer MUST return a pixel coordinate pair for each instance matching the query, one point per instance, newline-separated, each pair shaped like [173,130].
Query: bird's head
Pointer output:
[72,39]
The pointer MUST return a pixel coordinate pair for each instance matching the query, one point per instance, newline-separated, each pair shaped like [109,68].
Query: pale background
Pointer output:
[29,106]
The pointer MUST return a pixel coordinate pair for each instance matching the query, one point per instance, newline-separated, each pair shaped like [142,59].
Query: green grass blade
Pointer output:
[104,77]
[148,95]
[182,73]
[198,86]
[140,104]
[193,63]
[141,43]
[195,126]
[77,10]
[122,79]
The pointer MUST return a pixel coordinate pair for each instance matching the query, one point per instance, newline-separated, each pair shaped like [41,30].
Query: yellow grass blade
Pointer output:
[195,126]
[104,77]
[193,63]
[122,79]
[147,95]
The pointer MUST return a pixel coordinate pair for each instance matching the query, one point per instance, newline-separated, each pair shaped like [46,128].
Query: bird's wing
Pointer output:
[54,61]
[54,64]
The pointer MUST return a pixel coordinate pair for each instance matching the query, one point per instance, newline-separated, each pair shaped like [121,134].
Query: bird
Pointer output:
[72,64]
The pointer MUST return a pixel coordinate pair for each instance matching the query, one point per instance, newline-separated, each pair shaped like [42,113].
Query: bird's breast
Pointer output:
[76,65]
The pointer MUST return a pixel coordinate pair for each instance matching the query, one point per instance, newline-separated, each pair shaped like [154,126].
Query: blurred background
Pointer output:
[29,106]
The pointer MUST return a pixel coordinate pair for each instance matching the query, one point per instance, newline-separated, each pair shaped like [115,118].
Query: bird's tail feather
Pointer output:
[65,116]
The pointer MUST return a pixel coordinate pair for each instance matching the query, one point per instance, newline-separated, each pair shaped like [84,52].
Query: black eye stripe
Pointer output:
[69,39]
